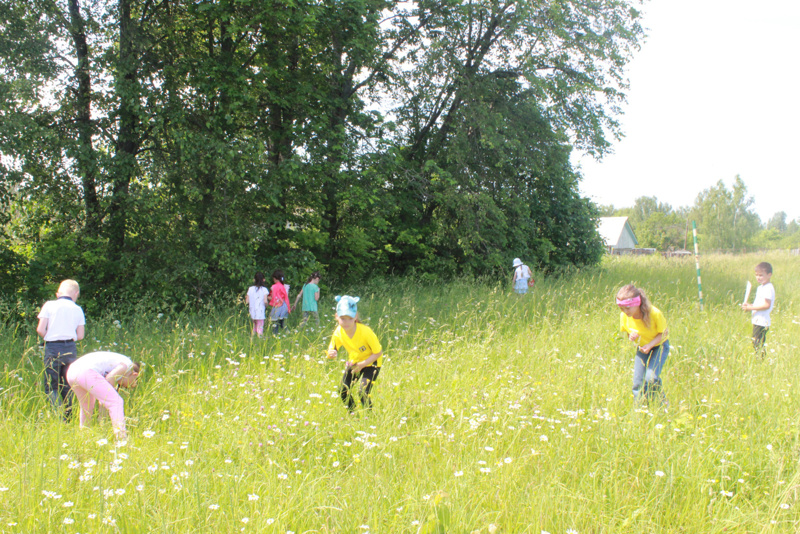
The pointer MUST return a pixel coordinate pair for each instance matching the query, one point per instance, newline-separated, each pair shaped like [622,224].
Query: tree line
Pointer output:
[725,221]
[172,147]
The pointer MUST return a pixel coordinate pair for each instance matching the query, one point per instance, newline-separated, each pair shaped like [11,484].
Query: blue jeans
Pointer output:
[58,355]
[647,371]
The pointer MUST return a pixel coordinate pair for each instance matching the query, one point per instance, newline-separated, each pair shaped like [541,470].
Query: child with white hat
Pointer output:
[522,276]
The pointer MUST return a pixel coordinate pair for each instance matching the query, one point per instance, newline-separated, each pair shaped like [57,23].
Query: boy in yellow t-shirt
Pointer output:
[364,351]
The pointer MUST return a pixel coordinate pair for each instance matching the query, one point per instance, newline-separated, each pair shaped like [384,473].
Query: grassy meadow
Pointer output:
[493,413]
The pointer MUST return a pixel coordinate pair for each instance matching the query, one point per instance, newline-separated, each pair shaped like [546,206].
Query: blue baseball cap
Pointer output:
[346,305]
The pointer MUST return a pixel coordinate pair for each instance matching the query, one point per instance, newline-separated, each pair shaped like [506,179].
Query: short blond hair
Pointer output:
[69,288]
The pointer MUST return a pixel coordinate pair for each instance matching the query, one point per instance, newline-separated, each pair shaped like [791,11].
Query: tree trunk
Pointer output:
[87,165]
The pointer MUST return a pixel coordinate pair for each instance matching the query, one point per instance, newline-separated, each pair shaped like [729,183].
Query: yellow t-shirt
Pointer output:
[658,325]
[361,346]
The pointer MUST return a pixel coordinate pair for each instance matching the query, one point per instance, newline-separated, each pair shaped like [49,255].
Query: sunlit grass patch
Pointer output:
[493,413]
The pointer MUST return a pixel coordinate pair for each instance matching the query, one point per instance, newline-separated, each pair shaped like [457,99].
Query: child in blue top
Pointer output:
[310,296]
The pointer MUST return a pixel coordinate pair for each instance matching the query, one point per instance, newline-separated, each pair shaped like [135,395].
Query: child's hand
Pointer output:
[332,353]
[745,307]
[633,335]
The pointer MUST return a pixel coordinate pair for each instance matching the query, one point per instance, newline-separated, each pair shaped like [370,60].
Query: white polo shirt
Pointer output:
[63,319]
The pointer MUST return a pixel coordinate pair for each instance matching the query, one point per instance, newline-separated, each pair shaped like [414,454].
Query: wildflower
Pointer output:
[659,473]
[543,438]
[726,493]
[270,521]
[148,434]
[68,504]
[490,449]
[283,476]
[458,473]
[486,469]
[508,460]
[245,520]
[769,447]
[785,506]
[213,507]
[252,497]
[68,520]
[101,442]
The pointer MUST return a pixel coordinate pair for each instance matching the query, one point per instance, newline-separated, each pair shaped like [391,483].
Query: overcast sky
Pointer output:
[714,93]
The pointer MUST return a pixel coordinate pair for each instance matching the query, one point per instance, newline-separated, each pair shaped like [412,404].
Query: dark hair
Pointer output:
[630,291]
[259,279]
[765,267]
[315,274]
[277,274]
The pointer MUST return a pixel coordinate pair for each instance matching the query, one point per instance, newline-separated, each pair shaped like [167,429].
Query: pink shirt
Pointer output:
[278,296]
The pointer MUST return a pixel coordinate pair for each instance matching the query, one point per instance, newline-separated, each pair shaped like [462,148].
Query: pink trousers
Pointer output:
[258,326]
[90,386]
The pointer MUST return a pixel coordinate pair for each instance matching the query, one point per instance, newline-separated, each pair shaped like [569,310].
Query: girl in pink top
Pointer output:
[279,300]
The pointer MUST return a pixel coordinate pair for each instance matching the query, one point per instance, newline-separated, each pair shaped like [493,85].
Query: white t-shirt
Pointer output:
[522,272]
[256,297]
[102,361]
[764,292]
[63,319]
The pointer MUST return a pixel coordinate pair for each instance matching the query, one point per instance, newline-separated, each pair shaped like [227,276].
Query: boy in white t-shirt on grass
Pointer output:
[61,325]
[762,304]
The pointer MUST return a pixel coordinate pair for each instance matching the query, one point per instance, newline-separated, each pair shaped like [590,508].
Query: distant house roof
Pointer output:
[617,232]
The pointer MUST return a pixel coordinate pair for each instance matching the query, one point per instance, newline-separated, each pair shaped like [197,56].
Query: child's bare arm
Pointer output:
[116,374]
[41,328]
[757,307]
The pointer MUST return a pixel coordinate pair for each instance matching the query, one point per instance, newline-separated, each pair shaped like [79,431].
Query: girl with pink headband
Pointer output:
[647,327]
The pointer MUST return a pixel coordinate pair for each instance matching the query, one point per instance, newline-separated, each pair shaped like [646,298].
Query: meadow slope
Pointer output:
[493,413]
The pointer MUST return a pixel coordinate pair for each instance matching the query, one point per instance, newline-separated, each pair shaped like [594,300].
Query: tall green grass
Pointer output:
[493,413]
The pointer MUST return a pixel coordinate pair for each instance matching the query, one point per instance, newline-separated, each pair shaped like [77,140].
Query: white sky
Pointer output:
[715,92]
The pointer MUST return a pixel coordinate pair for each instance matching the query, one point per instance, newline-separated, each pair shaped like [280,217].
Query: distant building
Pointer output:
[618,235]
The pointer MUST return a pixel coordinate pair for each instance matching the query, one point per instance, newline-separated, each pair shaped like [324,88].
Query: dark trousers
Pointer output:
[58,355]
[365,380]
[759,336]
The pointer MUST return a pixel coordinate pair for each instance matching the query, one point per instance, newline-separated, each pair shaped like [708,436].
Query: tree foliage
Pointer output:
[724,217]
[174,147]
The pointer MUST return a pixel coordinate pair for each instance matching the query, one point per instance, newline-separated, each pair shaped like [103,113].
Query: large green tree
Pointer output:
[724,217]
[173,147]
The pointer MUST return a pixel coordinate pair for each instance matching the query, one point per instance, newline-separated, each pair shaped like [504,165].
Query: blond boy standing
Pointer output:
[61,325]
[762,304]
